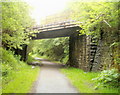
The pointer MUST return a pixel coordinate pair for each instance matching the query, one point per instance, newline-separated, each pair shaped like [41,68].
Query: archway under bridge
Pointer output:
[81,51]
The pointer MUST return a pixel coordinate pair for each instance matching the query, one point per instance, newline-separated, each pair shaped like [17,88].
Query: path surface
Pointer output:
[51,80]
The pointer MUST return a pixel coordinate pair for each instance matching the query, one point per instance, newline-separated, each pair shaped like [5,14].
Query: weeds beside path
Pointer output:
[83,81]
[23,80]
[17,76]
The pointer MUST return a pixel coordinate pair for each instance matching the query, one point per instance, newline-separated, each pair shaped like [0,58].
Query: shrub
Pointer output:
[8,58]
[65,59]
[30,59]
[108,78]
[9,65]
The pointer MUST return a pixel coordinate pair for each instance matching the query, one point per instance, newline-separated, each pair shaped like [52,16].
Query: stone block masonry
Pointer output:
[90,54]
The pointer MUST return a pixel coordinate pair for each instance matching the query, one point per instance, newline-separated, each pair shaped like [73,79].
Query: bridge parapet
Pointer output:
[58,25]
[60,29]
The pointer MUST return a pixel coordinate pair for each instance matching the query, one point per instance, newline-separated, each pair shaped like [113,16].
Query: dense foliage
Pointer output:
[9,65]
[15,73]
[16,24]
[108,78]
[95,16]
[96,19]
[101,20]
[56,48]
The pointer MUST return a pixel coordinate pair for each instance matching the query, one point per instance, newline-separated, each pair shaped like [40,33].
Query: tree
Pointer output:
[96,15]
[101,20]
[16,22]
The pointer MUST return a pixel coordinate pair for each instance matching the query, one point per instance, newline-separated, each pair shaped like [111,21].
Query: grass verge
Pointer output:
[22,81]
[17,76]
[83,81]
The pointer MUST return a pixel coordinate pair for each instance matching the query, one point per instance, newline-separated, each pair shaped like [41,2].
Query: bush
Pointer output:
[108,78]
[8,59]
[15,73]
[30,59]
[9,65]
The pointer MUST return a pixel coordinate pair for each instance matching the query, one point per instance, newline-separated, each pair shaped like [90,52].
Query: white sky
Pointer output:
[43,8]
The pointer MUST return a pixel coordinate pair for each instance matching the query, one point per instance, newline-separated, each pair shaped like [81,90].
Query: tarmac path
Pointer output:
[51,80]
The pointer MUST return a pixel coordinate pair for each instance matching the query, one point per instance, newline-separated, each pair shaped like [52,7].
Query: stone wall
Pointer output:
[106,54]
[79,51]
[91,54]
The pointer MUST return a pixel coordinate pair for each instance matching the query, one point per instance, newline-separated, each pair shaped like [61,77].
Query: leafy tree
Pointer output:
[101,20]
[16,22]
[96,15]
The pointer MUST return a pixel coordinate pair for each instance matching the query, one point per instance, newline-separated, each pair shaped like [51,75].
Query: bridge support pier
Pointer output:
[73,54]
[79,51]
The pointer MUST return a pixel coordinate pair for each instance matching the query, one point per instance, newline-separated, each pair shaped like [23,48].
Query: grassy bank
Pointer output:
[83,81]
[17,76]
[22,81]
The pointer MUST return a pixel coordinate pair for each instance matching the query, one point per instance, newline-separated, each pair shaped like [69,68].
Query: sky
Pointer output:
[43,8]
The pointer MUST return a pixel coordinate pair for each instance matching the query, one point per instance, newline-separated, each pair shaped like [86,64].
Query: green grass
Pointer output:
[22,81]
[17,76]
[83,81]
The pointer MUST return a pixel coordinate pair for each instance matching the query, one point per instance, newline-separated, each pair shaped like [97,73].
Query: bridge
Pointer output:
[82,48]
[79,55]
[59,29]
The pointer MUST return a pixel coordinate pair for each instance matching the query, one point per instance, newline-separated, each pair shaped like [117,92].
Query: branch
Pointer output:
[107,23]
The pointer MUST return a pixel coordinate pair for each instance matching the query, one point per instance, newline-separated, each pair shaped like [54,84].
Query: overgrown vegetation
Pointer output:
[95,16]
[84,83]
[101,21]
[17,76]
[16,22]
[108,78]
[97,19]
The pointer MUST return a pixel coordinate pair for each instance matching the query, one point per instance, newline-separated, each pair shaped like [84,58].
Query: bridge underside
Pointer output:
[83,51]
[78,53]
[64,32]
